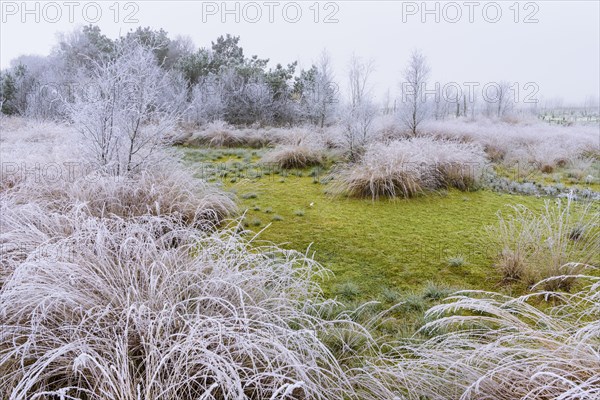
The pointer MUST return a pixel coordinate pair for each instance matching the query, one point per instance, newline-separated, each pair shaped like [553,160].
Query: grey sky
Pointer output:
[560,52]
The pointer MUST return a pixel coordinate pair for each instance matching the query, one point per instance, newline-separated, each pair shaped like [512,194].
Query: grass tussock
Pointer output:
[407,168]
[122,311]
[295,156]
[489,346]
[535,246]
[164,191]
[221,134]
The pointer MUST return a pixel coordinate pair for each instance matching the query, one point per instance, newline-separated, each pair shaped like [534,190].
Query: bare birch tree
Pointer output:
[414,103]
[360,113]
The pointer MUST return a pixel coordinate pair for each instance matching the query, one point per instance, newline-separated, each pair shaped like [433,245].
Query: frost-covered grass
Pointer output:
[295,156]
[560,240]
[528,143]
[108,290]
[130,287]
[410,167]
[42,164]
[221,134]
[147,307]
[490,346]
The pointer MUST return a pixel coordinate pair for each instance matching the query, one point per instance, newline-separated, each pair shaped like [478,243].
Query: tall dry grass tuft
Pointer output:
[147,307]
[164,190]
[221,134]
[42,165]
[559,240]
[407,168]
[490,346]
[295,156]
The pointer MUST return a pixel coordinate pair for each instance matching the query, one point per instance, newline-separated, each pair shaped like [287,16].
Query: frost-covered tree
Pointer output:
[360,112]
[247,99]
[84,48]
[414,105]
[317,92]
[499,99]
[206,104]
[124,117]
[22,82]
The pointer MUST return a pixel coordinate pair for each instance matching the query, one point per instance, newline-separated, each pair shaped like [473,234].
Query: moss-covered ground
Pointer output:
[374,249]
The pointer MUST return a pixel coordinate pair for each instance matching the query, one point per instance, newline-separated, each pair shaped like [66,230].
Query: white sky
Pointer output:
[560,53]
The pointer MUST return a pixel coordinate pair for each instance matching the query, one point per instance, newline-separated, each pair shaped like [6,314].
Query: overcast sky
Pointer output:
[554,44]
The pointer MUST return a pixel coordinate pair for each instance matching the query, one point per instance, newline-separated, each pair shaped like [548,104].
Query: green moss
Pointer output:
[401,244]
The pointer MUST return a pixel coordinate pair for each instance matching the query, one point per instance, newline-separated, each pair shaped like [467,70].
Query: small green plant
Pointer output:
[414,302]
[268,210]
[315,172]
[299,213]
[456,261]
[255,222]
[390,295]
[434,291]
[577,232]
[250,195]
[348,290]
[255,208]
[277,217]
